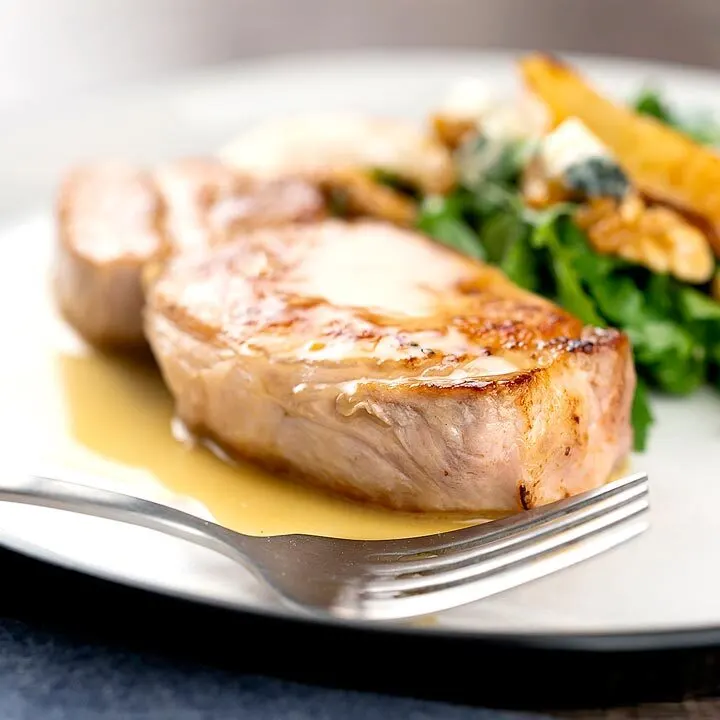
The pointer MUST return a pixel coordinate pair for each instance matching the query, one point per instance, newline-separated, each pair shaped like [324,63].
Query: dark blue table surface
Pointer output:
[45,675]
[74,647]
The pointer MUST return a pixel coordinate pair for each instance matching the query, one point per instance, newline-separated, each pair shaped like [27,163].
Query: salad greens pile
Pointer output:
[674,327]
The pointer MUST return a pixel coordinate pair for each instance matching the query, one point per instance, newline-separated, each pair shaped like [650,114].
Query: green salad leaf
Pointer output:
[442,219]
[649,102]
[700,314]
[641,416]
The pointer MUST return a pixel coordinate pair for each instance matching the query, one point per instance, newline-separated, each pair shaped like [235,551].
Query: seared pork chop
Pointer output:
[114,219]
[374,362]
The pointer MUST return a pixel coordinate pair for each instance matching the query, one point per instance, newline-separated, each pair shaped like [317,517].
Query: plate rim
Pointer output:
[224,73]
[30,118]
[623,641]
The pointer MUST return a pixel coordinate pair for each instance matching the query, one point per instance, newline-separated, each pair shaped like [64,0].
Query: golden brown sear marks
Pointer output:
[353,354]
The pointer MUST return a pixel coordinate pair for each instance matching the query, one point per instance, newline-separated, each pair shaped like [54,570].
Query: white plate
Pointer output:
[663,587]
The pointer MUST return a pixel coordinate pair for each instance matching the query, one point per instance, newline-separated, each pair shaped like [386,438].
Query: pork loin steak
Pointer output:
[375,362]
[116,218]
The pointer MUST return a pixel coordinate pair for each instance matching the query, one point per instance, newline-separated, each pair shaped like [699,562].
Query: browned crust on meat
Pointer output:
[485,307]
[493,315]
[603,342]
[604,351]
[496,375]
[525,497]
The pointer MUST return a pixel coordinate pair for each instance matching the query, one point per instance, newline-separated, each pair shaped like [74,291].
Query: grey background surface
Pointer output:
[52,51]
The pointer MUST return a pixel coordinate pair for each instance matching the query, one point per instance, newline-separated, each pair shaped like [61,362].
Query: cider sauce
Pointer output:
[108,420]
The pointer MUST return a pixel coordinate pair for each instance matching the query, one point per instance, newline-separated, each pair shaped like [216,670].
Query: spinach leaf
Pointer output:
[659,293]
[488,198]
[551,232]
[618,298]
[441,219]
[697,306]
[649,102]
[714,371]
[669,355]
[498,232]
[641,416]
[521,263]
[702,315]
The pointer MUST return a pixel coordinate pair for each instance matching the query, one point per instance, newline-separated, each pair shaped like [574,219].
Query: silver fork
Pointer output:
[383,579]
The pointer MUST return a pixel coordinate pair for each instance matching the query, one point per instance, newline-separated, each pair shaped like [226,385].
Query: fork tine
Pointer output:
[519,534]
[519,522]
[435,577]
[455,596]
[605,533]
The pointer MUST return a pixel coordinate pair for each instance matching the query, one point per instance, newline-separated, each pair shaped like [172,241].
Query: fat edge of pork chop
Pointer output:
[116,219]
[380,365]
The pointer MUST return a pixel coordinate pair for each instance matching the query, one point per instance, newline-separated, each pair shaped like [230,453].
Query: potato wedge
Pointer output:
[661,162]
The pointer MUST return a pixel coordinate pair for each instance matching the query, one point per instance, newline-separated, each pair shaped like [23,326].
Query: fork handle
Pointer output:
[74,497]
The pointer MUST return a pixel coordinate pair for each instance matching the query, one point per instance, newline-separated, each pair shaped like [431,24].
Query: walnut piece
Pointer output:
[537,189]
[651,235]
[450,131]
